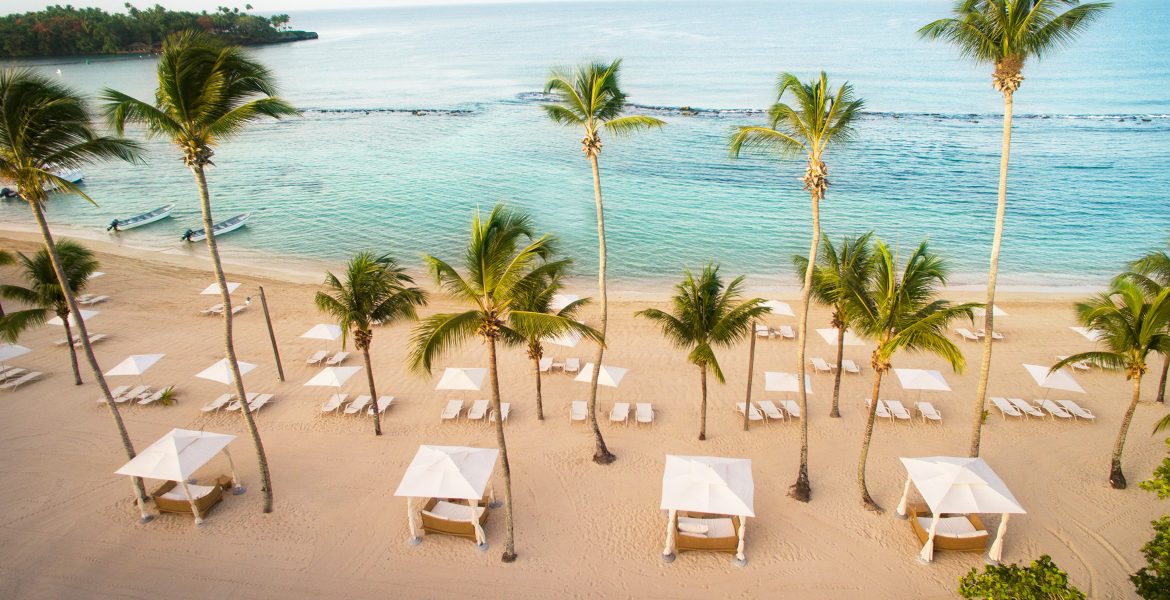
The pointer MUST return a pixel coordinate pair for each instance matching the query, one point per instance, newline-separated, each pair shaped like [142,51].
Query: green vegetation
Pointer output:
[1042,580]
[68,31]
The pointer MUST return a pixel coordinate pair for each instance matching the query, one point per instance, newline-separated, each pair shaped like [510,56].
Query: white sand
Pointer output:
[69,527]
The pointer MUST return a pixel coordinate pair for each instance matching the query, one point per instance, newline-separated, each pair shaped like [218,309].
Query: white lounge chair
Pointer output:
[452,410]
[850,367]
[1077,410]
[23,379]
[763,331]
[333,403]
[620,412]
[505,407]
[786,332]
[770,410]
[820,366]
[133,394]
[644,413]
[89,300]
[216,404]
[792,408]
[114,393]
[337,359]
[358,404]
[546,364]
[155,397]
[928,411]
[235,404]
[572,365]
[258,402]
[239,309]
[1054,409]
[967,334]
[316,357]
[1006,409]
[7,373]
[755,415]
[577,411]
[899,411]
[995,335]
[1026,408]
[212,310]
[478,410]
[1080,365]
[880,410]
[93,339]
[382,404]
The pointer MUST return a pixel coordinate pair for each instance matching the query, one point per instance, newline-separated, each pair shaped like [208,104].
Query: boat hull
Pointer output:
[147,218]
[228,226]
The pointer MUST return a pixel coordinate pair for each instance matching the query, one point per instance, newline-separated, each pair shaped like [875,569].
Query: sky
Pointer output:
[259,6]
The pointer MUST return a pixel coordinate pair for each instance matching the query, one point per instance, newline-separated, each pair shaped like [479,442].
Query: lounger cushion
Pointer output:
[715,528]
[693,526]
[451,511]
[954,527]
[197,492]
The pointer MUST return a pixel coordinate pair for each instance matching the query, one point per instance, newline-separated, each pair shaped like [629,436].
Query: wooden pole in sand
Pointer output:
[747,409]
[271,334]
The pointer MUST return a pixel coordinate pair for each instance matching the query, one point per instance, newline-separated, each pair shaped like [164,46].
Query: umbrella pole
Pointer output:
[671,527]
[237,486]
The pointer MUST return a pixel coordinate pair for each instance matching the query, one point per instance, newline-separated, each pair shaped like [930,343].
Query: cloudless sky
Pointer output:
[259,6]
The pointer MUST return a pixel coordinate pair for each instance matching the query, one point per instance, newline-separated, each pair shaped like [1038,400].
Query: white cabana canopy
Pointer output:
[996,311]
[958,485]
[780,309]
[8,351]
[610,376]
[829,334]
[922,379]
[219,371]
[775,381]
[560,301]
[177,455]
[1089,334]
[213,289]
[323,331]
[707,484]
[461,379]
[447,472]
[1060,380]
[85,315]
[333,376]
[135,364]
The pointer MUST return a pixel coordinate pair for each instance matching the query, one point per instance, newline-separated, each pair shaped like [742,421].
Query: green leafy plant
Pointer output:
[1152,581]
[1042,580]
[168,396]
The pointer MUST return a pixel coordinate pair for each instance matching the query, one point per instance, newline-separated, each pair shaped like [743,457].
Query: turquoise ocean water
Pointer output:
[415,116]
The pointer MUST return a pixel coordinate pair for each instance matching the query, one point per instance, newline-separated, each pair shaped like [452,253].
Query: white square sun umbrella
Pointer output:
[569,339]
[922,379]
[213,289]
[779,309]
[775,381]
[829,334]
[177,455]
[1089,334]
[708,484]
[446,472]
[333,376]
[219,371]
[10,351]
[609,376]
[461,379]
[996,311]
[1060,380]
[560,301]
[85,315]
[135,364]
[323,331]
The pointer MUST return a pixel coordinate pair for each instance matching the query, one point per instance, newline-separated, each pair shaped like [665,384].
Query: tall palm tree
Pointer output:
[902,311]
[1154,267]
[838,273]
[538,299]
[207,93]
[1131,326]
[44,295]
[376,291]
[818,120]
[706,314]
[590,97]
[504,260]
[1006,33]
[6,259]
[45,127]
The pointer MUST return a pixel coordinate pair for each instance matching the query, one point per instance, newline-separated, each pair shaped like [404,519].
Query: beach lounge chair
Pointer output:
[572,365]
[216,404]
[452,410]
[239,308]
[171,498]
[786,332]
[1077,410]
[134,393]
[334,402]
[620,412]
[850,367]
[880,410]
[11,385]
[546,364]
[577,411]
[259,401]
[820,366]
[452,518]
[763,331]
[235,404]
[505,407]
[7,373]
[1054,409]
[155,397]
[93,339]
[719,533]
[792,408]
[755,415]
[1080,365]
[91,300]
[212,310]
[644,413]
[967,334]
[928,411]
[963,533]
[478,410]
[995,335]
[337,359]
[770,410]
[114,393]
[382,404]
[1006,409]
[358,404]
[900,413]
[316,357]
[1026,408]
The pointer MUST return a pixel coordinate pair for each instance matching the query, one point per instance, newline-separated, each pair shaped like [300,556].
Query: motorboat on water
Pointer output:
[70,175]
[145,218]
[232,224]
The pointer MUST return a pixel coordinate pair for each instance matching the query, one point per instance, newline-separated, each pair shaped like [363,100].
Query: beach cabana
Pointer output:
[708,500]
[965,487]
[437,478]
[174,458]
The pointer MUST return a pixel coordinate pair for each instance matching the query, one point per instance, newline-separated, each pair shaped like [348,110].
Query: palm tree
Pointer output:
[1006,33]
[1131,325]
[6,259]
[44,295]
[705,315]
[207,93]
[1154,268]
[47,127]
[902,312]
[818,120]
[590,97]
[833,279]
[504,260]
[376,291]
[538,299]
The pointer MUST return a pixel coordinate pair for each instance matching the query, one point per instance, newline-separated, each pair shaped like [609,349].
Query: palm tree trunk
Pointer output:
[601,454]
[992,274]
[63,279]
[751,367]
[866,499]
[72,350]
[505,467]
[802,490]
[373,392]
[835,411]
[1116,478]
[539,402]
[229,345]
[1162,381]
[703,404]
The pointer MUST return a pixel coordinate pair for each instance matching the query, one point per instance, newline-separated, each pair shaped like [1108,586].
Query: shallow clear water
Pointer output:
[1089,187]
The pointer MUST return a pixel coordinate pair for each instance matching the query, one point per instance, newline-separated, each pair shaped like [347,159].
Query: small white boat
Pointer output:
[70,175]
[145,218]
[232,224]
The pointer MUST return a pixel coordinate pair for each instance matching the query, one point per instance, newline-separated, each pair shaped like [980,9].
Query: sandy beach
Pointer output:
[582,531]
